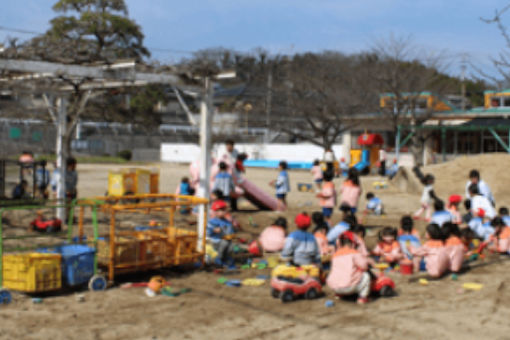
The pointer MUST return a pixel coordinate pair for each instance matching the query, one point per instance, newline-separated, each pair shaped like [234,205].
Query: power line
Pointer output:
[18,30]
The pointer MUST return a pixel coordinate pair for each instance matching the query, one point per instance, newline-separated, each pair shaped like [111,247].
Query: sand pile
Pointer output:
[451,177]
[406,181]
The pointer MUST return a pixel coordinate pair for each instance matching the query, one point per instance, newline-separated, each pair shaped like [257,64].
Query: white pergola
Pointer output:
[108,76]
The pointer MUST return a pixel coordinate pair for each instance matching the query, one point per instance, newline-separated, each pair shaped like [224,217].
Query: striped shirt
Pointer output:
[224,182]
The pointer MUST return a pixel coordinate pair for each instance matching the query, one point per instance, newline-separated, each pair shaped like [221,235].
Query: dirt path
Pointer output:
[210,311]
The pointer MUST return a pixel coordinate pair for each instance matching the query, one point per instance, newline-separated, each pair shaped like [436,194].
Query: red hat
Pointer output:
[348,235]
[342,159]
[455,199]
[303,221]
[480,213]
[218,205]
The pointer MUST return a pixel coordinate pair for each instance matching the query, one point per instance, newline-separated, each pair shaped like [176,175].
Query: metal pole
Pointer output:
[96,235]
[268,103]
[455,142]
[61,161]
[205,160]
[111,260]
[463,84]
[443,143]
[397,143]
[1,249]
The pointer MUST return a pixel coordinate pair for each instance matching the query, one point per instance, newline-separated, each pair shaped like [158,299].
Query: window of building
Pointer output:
[495,102]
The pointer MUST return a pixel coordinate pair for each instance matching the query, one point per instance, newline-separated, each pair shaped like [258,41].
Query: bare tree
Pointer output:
[502,60]
[318,96]
[402,72]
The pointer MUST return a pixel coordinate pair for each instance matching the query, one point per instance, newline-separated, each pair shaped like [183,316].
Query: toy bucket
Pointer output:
[254,249]
[406,268]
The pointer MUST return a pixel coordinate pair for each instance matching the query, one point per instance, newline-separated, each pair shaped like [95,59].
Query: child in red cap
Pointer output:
[220,232]
[349,268]
[300,247]
[453,208]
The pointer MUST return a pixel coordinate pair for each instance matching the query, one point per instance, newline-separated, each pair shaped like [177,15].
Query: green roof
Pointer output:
[492,91]
[423,93]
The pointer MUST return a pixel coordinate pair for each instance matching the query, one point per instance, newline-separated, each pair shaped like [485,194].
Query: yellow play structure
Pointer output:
[133,181]
[368,156]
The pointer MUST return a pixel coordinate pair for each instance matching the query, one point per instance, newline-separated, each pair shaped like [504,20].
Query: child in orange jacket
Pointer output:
[272,238]
[388,248]
[327,196]
[349,270]
[455,247]
[434,252]
[500,240]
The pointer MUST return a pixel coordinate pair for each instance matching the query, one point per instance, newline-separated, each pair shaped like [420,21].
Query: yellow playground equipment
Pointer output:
[133,181]
[367,157]
[124,250]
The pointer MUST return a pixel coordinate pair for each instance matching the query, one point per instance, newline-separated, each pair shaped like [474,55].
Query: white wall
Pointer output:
[179,153]
[185,153]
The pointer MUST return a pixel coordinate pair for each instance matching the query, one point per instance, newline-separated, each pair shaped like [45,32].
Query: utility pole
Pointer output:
[268,103]
[205,159]
[463,83]
[61,157]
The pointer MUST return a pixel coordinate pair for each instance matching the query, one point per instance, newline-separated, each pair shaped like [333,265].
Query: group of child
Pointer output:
[43,178]
[447,243]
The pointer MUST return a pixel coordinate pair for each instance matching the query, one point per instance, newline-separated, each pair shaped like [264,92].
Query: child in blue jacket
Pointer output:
[301,247]
[220,233]
[282,184]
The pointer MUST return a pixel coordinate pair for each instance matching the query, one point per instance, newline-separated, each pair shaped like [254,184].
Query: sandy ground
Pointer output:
[439,310]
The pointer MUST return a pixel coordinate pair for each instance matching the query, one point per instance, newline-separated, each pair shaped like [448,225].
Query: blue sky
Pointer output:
[289,26]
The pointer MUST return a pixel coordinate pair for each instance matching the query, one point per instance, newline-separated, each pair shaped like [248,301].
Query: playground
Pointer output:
[249,312]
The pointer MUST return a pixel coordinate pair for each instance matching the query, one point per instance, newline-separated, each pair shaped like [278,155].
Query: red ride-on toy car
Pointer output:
[42,225]
[381,284]
[289,282]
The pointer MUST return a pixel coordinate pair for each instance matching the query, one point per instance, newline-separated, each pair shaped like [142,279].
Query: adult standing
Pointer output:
[382,161]
[230,154]
[478,201]
[329,159]
[483,188]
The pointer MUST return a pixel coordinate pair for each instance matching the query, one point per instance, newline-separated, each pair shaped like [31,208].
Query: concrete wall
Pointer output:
[185,153]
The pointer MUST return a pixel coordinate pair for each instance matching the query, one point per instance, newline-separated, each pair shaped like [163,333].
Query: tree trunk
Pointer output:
[416,148]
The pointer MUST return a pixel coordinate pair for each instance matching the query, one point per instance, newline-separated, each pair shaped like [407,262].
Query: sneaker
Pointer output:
[362,301]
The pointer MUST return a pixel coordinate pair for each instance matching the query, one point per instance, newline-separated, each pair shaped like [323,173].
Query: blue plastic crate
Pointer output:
[77,262]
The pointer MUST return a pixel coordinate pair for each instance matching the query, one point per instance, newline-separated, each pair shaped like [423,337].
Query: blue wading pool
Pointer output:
[269,163]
